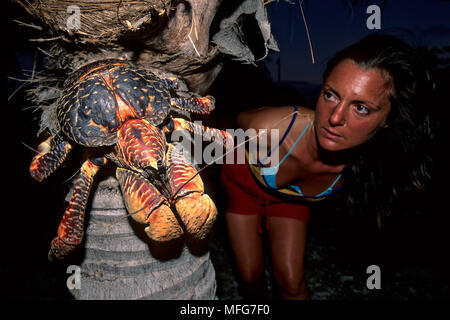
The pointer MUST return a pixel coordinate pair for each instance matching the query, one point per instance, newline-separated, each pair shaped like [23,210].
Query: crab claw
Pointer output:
[51,153]
[195,208]
[147,206]
[198,213]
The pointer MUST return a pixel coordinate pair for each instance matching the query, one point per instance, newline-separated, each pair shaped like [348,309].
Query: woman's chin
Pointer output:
[331,145]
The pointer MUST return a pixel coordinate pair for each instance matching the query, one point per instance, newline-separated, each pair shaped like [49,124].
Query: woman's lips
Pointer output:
[331,134]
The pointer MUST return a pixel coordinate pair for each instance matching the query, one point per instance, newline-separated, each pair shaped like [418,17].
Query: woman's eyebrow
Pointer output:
[328,87]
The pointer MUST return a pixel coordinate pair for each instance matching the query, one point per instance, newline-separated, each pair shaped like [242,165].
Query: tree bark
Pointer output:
[120,263]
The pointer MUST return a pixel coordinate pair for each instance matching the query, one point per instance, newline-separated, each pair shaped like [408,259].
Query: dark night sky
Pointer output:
[333,26]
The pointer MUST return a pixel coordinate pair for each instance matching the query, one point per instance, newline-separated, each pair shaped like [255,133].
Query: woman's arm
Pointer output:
[255,118]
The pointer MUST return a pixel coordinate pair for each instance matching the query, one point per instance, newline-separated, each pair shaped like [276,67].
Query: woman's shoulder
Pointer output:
[272,117]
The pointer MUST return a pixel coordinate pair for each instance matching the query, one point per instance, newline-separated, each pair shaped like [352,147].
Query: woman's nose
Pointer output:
[337,116]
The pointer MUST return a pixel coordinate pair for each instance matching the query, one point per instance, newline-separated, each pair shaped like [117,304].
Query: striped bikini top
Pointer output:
[267,175]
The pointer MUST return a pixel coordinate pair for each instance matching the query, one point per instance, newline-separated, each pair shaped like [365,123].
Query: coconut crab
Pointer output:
[121,114]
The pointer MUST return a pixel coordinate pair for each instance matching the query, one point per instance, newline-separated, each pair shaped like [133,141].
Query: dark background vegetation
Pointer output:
[411,250]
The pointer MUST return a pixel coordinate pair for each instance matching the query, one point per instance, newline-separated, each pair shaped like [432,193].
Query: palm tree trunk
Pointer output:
[120,264]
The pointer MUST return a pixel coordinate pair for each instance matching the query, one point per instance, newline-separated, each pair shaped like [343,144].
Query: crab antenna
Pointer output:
[180,188]
[234,148]
[72,176]
[29,147]
[201,169]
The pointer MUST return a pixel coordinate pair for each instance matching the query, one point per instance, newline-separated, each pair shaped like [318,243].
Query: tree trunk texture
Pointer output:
[120,263]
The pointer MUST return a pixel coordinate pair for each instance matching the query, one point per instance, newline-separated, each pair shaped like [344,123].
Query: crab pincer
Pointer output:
[148,206]
[140,152]
[194,207]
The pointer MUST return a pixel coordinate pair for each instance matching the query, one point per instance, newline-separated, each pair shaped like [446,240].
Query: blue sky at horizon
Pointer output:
[333,26]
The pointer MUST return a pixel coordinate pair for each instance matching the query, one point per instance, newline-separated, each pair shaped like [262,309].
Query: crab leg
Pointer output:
[51,153]
[195,208]
[71,228]
[202,105]
[219,136]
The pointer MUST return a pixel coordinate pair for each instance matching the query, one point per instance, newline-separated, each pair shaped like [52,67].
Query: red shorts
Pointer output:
[246,196]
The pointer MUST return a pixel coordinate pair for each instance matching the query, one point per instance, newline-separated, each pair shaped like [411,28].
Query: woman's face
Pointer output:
[352,106]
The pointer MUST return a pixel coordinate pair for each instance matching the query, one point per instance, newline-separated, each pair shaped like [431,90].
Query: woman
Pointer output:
[367,132]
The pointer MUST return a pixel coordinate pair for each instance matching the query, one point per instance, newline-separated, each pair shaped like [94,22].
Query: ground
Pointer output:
[337,269]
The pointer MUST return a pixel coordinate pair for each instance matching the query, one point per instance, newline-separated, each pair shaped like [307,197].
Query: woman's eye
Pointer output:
[328,96]
[362,109]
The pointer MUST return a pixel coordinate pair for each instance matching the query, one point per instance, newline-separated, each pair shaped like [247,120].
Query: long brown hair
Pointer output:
[398,159]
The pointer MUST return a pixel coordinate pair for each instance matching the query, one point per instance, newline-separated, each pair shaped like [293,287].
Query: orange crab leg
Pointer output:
[51,153]
[222,137]
[202,105]
[71,228]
